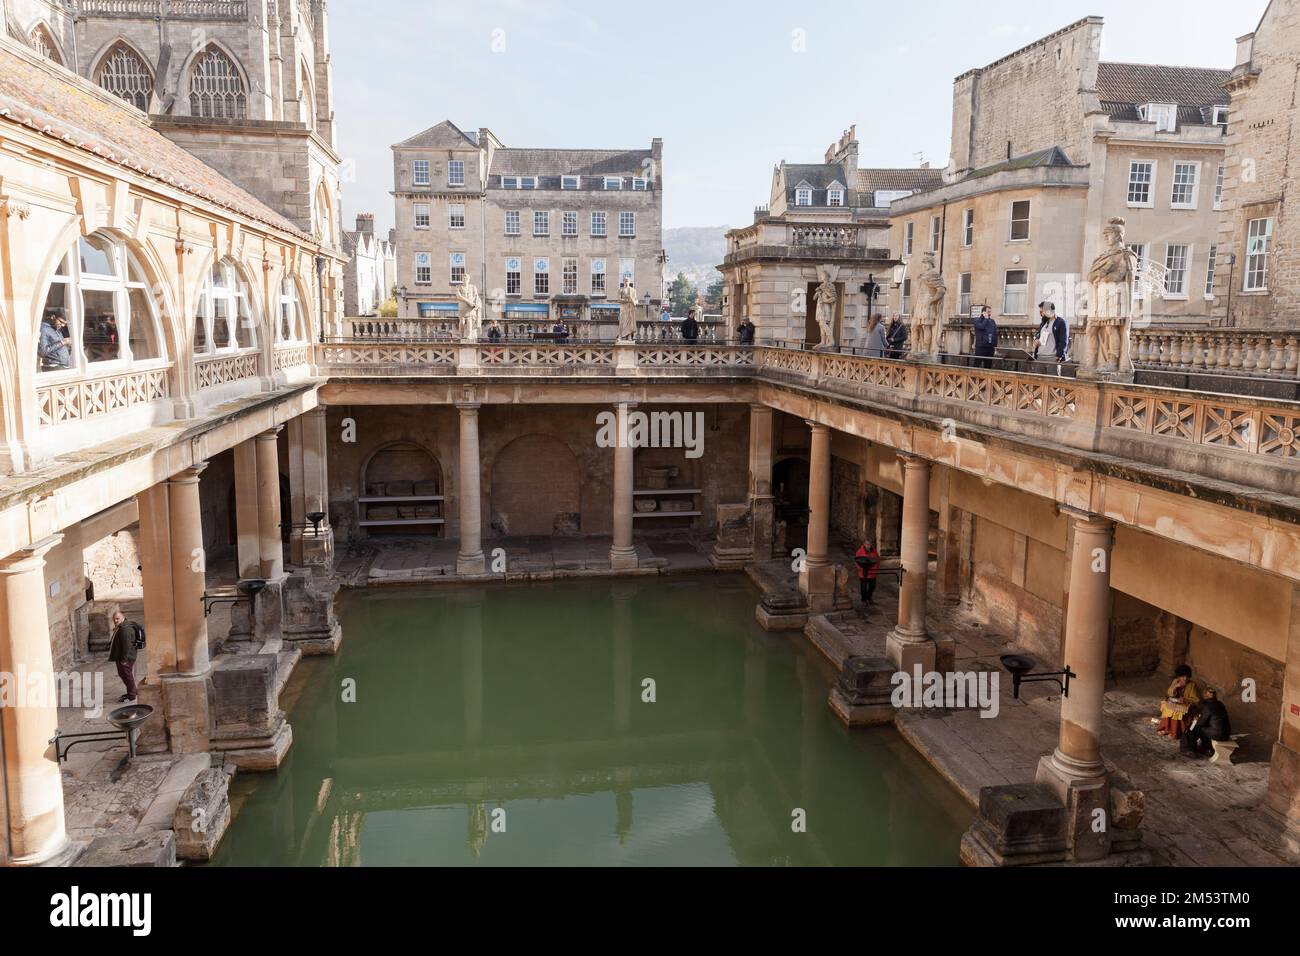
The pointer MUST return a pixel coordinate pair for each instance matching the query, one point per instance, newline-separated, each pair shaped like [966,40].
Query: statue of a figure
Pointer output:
[627,306]
[825,298]
[471,317]
[927,312]
[1111,313]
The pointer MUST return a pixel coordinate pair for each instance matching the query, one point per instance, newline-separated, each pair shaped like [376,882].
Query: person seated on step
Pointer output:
[1211,724]
[1179,705]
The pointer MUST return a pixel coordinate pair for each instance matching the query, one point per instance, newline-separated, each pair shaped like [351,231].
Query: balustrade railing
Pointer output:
[233,10]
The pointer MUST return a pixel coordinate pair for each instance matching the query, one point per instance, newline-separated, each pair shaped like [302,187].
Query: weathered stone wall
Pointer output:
[1262,163]
[113,563]
[1224,665]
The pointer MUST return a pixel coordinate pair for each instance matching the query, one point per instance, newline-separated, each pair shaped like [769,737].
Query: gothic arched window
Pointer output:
[43,43]
[123,73]
[216,88]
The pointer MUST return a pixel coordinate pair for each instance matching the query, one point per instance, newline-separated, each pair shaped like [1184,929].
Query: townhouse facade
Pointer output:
[545,234]
[1049,144]
[368,275]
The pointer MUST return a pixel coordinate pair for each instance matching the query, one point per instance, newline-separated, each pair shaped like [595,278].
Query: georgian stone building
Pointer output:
[244,85]
[370,263]
[545,234]
[1259,285]
[827,220]
[1048,144]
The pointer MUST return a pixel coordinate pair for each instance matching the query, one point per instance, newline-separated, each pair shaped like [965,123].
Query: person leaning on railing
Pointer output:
[745,331]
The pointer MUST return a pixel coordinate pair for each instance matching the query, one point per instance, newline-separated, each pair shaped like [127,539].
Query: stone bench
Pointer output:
[1224,749]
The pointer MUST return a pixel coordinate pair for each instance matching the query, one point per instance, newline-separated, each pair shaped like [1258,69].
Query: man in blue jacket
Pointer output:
[986,338]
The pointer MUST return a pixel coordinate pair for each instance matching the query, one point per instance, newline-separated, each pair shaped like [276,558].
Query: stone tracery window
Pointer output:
[290,327]
[43,43]
[224,321]
[124,74]
[98,310]
[216,87]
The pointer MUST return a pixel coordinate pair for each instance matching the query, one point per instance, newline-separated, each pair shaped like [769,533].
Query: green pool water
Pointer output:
[507,724]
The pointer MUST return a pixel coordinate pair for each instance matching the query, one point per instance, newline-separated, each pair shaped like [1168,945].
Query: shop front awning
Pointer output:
[527,308]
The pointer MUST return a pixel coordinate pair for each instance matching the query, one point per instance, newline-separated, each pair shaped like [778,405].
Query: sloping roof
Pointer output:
[1135,83]
[1052,156]
[570,162]
[53,101]
[870,180]
[446,135]
[816,175]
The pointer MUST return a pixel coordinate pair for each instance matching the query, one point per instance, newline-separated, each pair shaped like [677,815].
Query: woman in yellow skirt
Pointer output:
[1180,704]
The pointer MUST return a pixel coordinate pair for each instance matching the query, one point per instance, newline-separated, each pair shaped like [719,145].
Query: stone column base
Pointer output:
[471,564]
[625,358]
[907,651]
[186,712]
[313,550]
[309,621]
[257,753]
[817,583]
[1021,824]
[1283,797]
[620,560]
[1083,792]
[782,612]
[863,695]
[250,727]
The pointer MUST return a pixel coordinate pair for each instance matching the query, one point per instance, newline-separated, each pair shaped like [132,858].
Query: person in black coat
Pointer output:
[690,328]
[1211,724]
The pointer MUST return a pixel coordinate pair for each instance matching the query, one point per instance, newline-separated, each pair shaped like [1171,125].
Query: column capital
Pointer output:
[188,476]
[30,557]
[1087,520]
[271,434]
[468,408]
[816,426]
[759,408]
[913,460]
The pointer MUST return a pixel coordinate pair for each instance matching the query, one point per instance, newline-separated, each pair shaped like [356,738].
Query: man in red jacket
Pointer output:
[868,561]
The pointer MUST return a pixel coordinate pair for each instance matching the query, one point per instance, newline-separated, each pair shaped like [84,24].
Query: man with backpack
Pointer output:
[868,561]
[128,640]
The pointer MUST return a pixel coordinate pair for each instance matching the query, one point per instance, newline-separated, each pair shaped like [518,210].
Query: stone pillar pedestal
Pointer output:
[625,359]
[909,644]
[817,579]
[1074,772]
[622,553]
[310,546]
[470,560]
[33,797]
[467,359]
[270,546]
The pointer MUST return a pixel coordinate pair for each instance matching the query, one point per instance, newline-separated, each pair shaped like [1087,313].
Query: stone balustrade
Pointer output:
[232,10]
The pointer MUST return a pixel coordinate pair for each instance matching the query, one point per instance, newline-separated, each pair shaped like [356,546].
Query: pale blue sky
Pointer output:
[719,80]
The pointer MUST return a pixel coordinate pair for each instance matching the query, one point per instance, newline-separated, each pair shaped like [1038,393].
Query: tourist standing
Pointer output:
[877,338]
[745,331]
[128,638]
[868,561]
[1060,333]
[1044,338]
[690,328]
[986,338]
[897,336]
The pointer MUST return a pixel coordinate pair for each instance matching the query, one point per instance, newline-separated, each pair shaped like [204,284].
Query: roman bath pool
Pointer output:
[594,721]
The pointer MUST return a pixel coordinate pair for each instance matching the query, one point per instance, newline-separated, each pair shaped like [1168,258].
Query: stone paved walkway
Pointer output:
[1197,813]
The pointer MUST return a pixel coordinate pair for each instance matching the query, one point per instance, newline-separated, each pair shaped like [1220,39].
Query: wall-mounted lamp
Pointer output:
[248,590]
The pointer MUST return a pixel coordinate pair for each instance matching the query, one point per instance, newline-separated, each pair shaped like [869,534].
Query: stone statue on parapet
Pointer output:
[927,312]
[1110,313]
[471,316]
[627,310]
[824,298]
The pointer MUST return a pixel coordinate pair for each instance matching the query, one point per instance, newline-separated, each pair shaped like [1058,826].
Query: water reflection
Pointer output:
[582,722]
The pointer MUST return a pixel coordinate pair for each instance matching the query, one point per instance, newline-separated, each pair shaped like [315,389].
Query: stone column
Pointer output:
[33,785]
[270,545]
[189,572]
[909,643]
[762,503]
[817,579]
[248,544]
[622,553]
[309,490]
[470,558]
[1074,772]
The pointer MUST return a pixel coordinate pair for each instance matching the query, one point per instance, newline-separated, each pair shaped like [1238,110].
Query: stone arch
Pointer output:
[215,83]
[121,69]
[306,96]
[41,39]
[536,487]
[401,469]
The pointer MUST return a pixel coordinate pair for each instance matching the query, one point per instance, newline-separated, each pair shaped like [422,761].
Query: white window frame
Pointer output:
[569,276]
[639,184]
[541,277]
[509,182]
[452,166]
[1028,221]
[527,182]
[452,267]
[1135,181]
[1181,273]
[603,219]
[514,277]
[421,172]
[909,238]
[512,222]
[233,291]
[613,182]
[570,182]
[1009,307]
[835,196]
[803,196]
[291,309]
[455,220]
[599,269]
[1211,264]
[905,297]
[1141,249]
[1164,115]
[427,269]
[1219,175]
[935,226]
[1195,185]
[627,270]
[627,225]
[1257,262]
[964,292]
[569,223]
[968,228]
[1220,116]
[422,216]
[541,222]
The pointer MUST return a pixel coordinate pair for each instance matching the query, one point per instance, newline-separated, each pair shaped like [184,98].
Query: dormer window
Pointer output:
[803,196]
[1164,115]
[1221,116]
[570,182]
[638,184]
[835,196]
[613,182]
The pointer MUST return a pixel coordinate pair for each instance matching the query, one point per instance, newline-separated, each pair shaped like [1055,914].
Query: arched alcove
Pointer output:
[536,488]
[401,491]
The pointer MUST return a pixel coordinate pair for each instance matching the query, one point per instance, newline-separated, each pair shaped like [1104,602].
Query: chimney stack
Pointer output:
[366,223]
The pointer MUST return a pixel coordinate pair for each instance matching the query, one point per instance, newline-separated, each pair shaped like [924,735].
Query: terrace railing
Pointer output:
[231,10]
